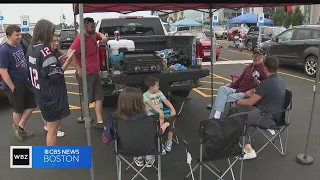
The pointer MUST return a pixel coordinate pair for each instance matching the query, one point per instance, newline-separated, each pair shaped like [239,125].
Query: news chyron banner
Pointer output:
[50,157]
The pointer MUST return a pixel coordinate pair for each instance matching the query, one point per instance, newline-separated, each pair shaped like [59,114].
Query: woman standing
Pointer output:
[58,54]
[47,78]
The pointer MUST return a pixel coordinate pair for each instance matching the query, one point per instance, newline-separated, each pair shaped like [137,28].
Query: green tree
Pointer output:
[288,19]
[181,15]
[58,26]
[278,17]
[297,17]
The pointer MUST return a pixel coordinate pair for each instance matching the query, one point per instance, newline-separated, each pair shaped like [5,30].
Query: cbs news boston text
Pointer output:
[50,157]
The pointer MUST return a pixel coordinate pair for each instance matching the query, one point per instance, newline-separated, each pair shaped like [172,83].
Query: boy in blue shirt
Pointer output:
[154,100]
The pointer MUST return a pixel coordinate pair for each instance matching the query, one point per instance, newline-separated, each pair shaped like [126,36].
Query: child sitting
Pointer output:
[153,99]
[130,107]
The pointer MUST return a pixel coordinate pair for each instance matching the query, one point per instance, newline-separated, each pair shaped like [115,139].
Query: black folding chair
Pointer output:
[137,138]
[223,145]
[176,100]
[278,129]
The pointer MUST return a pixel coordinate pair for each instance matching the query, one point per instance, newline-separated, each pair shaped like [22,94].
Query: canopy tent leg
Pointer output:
[84,82]
[305,158]
[213,54]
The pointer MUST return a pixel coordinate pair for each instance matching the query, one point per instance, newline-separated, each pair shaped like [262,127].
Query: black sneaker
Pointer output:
[98,125]
[18,132]
[27,134]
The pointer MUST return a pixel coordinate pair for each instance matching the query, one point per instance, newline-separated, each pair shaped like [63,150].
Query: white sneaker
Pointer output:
[153,159]
[272,132]
[249,155]
[59,133]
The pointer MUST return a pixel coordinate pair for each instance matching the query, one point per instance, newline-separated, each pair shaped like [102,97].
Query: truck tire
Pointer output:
[182,93]
[249,45]
[310,65]
[110,101]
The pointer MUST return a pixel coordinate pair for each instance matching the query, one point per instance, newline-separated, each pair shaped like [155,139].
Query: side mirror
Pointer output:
[275,39]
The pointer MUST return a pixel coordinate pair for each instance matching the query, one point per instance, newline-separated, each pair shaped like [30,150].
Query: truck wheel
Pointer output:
[110,101]
[182,93]
[310,65]
[250,45]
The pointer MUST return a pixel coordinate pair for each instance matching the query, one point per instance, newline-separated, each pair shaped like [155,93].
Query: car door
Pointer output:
[281,45]
[299,45]
[267,33]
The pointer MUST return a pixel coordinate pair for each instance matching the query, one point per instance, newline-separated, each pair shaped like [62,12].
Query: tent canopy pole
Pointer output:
[84,82]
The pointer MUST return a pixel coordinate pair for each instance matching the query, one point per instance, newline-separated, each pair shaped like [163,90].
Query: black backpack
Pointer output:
[220,138]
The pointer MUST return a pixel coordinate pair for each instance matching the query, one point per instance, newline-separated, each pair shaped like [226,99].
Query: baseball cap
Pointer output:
[257,51]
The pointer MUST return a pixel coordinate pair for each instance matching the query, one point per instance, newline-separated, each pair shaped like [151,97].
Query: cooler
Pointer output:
[115,45]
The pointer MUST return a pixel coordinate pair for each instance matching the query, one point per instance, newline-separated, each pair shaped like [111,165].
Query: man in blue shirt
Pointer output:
[13,69]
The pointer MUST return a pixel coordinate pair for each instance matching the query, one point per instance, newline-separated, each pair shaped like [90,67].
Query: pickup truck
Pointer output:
[149,35]
[267,33]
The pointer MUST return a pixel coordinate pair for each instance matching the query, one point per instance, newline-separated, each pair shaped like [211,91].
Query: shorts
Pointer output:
[21,98]
[95,90]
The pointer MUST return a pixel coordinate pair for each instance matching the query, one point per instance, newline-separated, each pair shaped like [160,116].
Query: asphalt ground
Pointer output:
[268,165]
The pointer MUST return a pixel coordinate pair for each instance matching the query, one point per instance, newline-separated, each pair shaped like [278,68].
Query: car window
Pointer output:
[67,33]
[3,39]
[267,31]
[286,36]
[315,34]
[197,34]
[303,34]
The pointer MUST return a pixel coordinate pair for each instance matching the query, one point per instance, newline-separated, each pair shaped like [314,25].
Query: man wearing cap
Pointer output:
[242,88]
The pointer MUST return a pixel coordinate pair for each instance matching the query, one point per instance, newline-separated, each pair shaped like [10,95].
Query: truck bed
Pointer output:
[186,44]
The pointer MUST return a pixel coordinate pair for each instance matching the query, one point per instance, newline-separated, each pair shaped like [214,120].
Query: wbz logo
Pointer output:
[20,156]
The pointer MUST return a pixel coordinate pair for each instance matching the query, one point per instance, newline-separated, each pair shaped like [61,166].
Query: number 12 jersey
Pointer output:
[48,83]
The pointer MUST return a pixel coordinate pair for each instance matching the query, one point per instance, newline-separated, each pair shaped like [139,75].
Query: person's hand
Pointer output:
[62,59]
[228,84]
[166,124]
[248,93]
[173,112]
[12,88]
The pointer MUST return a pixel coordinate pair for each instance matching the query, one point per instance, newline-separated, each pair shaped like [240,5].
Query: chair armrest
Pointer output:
[234,76]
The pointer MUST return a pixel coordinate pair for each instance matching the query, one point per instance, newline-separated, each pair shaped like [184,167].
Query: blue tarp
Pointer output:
[248,18]
[187,22]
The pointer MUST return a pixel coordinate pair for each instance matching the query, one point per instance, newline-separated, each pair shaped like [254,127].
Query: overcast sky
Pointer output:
[52,12]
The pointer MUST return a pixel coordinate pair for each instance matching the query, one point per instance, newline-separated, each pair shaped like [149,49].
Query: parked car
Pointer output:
[233,31]
[219,31]
[203,45]
[66,37]
[267,33]
[26,38]
[298,45]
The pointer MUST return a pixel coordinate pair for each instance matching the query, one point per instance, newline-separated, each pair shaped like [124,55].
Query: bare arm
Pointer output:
[74,62]
[7,79]
[103,37]
[169,105]
[249,102]
[156,108]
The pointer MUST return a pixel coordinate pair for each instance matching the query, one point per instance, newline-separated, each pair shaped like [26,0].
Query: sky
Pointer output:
[12,12]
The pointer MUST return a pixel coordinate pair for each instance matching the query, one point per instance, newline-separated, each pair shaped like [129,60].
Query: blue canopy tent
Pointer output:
[188,23]
[248,18]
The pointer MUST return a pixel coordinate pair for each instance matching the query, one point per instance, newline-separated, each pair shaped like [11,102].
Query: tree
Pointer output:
[297,17]
[278,17]
[181,15]
[288,19]
[58,26]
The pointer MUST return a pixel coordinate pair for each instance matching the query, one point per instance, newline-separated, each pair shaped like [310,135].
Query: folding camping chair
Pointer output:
[174,100]
[137,138]
[281,126]
[229,145]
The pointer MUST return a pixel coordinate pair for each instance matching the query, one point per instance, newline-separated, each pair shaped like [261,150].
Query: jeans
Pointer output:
[225,95]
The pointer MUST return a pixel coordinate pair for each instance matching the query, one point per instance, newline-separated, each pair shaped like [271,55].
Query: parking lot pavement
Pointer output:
[268,165]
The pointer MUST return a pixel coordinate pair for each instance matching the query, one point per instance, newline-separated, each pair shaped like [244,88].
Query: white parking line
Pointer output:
[227,62]
[69,71]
